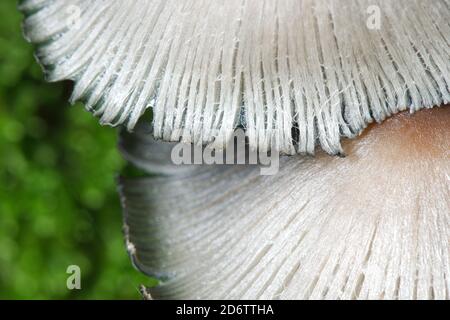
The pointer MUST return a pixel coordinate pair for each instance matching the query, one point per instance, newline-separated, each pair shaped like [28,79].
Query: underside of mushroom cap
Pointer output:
[375,225]
[294,74]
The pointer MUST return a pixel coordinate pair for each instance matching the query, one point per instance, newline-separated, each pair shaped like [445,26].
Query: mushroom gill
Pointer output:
[373,225]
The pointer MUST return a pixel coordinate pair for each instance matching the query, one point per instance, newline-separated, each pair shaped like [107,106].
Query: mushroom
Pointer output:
[295,75]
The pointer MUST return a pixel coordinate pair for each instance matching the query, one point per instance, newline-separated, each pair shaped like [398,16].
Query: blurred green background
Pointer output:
[58,199]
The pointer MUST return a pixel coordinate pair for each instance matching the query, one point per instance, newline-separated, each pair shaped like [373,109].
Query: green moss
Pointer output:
[58,200]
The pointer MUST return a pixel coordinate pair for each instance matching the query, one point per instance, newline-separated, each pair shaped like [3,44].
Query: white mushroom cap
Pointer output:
[292,73]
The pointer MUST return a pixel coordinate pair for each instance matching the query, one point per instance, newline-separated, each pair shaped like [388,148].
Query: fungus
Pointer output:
[295,75]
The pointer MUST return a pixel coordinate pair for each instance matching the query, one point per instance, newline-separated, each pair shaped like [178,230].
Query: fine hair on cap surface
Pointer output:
[294,74]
